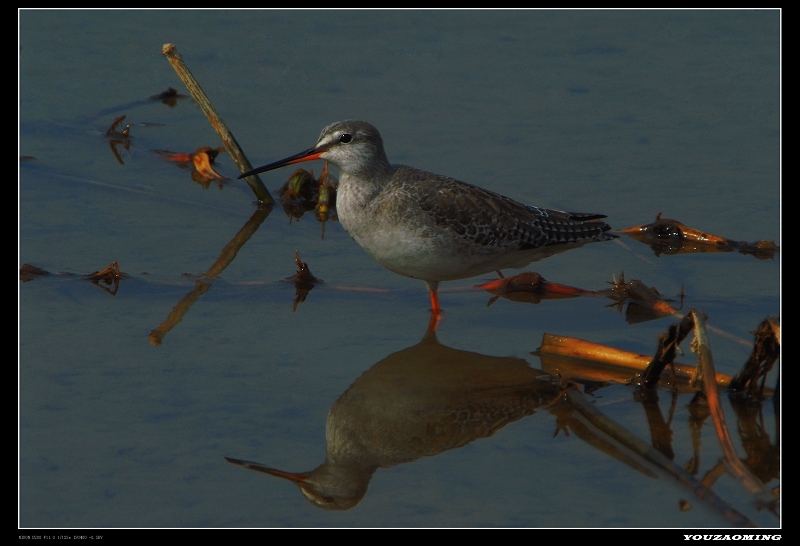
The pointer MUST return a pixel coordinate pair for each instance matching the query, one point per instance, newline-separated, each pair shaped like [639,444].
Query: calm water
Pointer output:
[628,113]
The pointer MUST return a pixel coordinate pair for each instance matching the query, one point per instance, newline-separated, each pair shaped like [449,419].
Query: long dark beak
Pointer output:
[296,477]
[307,155]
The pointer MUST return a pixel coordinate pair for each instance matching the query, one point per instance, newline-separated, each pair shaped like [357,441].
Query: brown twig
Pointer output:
[668,344]
[766,351]
[236,153]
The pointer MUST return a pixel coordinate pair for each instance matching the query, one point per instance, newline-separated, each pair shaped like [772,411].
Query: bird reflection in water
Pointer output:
[415,403]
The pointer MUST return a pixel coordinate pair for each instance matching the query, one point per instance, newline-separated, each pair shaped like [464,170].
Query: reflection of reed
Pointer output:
[763,456]
[415,403]
[201,286]
[648,453]
[660,429]
[698,413]
[571,422]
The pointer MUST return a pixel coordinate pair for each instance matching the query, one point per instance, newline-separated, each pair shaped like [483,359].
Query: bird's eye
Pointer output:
[345,138]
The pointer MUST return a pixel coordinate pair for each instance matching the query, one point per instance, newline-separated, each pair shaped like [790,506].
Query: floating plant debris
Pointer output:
[668,236]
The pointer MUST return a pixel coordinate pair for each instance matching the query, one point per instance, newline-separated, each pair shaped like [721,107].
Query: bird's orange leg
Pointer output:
[436,311]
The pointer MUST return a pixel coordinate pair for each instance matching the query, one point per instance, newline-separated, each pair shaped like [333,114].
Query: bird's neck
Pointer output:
[369,166]
[368,180]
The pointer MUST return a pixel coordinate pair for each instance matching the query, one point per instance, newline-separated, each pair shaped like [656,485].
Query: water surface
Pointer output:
[628,113]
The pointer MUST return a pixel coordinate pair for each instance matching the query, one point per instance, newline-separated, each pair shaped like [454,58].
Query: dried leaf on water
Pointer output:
[644,303]
[530,287]
[183,159]
[302,193]
[301,186]
[668,236]
[30,272]
[169,97]
[106,277]
[304,281]
[200,161]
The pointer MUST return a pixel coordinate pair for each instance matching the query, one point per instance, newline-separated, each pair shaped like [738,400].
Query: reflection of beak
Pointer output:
[307,155]
[297,478]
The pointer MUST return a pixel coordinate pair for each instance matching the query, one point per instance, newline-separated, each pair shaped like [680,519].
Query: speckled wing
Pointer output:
[490,219]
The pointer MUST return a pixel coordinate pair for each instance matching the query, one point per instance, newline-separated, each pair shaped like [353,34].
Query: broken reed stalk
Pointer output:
[705,365]
[236,153]
[632,442]
[587,350]
[668,344]
[766,352]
